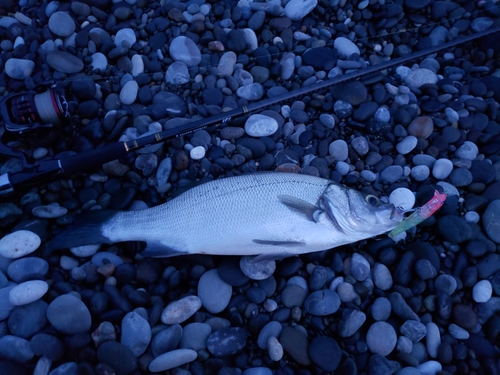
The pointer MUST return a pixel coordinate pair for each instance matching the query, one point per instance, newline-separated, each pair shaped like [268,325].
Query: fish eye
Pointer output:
[372,200]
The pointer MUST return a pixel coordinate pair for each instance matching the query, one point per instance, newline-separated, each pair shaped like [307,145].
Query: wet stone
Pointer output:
[16,349]
[118,356]
[213,292]
[26,320]
[47,345]
[136,333]
[414,330]
[166,340]
[381,309]
[351,322]
[172,360]
[271,329]
[360,268]
[18,244]
[27,268]
[491,220]
[181,310]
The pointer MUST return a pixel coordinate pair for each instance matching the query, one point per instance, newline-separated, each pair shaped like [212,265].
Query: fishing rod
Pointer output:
[51,107]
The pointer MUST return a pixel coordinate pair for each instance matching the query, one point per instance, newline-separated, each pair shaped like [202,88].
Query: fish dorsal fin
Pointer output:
[309,210]
[158,250]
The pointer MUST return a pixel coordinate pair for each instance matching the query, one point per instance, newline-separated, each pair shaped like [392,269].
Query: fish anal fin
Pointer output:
[270,256]
[309,210]
[159,250]
[280,243]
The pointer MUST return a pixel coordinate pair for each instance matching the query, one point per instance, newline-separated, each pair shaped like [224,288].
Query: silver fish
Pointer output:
[273,215]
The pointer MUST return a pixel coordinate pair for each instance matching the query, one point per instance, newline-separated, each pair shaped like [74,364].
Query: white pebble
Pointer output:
[467,151]
[260,126]
[197,153]
[482,291]
[472,217]
[407,145]
[40,153]
[172,359]
[28,292]
[128,94]
[68,263]
[433,339]
[442,168]
[448,188]
[19,244]
[137,65]
[402,197]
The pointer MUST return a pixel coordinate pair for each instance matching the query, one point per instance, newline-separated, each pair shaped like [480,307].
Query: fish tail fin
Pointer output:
[85,230]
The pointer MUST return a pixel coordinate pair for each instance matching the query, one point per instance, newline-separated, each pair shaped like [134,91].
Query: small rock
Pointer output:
[15,348]
[260,126]
[360,268]
[125,37]
[402,197]
[468,150]
[345,47]
[177,73]
[274,349]
[382,277]
[28,292]
[64,62]
[414,330]
[69,315]
[136,333]
[430,368]
[298,9]
[381,338]
[257,270]
[128,93]
[61,24]
[481,292]
[322,302]
[491,221]
[172,359]
[18,244]
[407,145]
[181,310]
[325,353]
[184,49]
[421,127]
[295,345]
[214,293]
[419,77]
[442,168]
[338,150]
[19,68]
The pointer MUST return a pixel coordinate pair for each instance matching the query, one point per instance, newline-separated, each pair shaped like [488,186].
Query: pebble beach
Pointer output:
[424,303]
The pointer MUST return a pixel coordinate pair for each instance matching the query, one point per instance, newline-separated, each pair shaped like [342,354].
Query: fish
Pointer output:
[272,215]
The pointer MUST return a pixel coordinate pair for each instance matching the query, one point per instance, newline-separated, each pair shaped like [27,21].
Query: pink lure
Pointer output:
[420,214]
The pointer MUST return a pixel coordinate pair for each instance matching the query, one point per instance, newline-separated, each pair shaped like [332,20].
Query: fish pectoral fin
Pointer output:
[280,243]
[159,250]
[309,210]
[270,256]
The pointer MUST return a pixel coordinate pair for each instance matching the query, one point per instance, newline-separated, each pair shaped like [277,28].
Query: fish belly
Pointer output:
[227,216]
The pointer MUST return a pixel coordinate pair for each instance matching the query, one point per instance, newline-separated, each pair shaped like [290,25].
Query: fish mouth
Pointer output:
[398,214]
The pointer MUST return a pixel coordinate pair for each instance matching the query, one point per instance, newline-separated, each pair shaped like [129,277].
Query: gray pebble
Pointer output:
[491,220]
[381,309]
[407,145]
[442,168]
[419,77]
[172,359]
[177,73]
[136,333]
[184,49]
[181,310]
[251,92]
[382,277]
[404,345]
[19,68]
[338,150]
[446,284]
[360,268]
[260,126]
[381,338]
[125,37]
[16,349]
[257,270]
[351,322]
[61,24]
[345,47]
[213,292]
[166,340]
[433,339]
[69,315]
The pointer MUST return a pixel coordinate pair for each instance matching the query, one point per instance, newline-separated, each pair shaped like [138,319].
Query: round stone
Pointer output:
[128,93]
[125,37]
[360,268]
[298,9]
[261,126]
[214,293]
[325,353]
[69,315]
[407,145]
[197,153]
[18,244]
[419,77]
[19,68]
[402,197]
[136,333]
[381,338]
[184,49]
[61,24]
[481,292]
[28,292]
[99,61]
[177,73]
[64,62]
[442,168]
[338,150]
[382,277]
[468,150]
[345,47]
[257,270]
[420,172]
[181,310]
[322,302]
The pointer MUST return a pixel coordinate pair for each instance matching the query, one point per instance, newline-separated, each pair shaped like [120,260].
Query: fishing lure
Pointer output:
[420,214]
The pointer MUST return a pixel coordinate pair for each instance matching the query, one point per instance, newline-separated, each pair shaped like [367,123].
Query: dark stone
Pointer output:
[118,356]
[227,341]
[24,321]
[454,229]
[325,353]
[48,346]
[353,92]
[295,345]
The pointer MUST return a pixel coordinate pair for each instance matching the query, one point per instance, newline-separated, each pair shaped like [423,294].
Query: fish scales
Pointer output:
[278,214]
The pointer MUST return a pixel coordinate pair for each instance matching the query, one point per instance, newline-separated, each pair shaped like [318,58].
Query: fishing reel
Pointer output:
[31,110]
